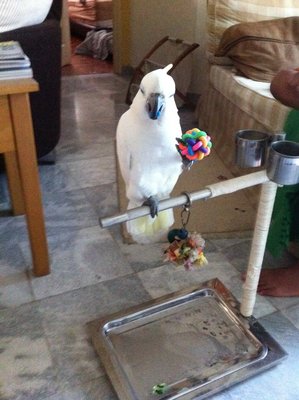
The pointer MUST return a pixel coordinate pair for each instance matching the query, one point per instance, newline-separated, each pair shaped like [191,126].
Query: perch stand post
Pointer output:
[258,246]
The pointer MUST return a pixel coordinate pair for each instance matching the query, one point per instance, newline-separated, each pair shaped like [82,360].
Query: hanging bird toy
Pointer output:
[185,248]
[194,145]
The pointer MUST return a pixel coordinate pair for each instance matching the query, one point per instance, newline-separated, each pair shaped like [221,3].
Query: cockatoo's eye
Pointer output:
[141,90]
[171,95]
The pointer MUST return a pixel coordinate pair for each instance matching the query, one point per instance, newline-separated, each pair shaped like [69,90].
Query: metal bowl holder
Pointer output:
[256,148]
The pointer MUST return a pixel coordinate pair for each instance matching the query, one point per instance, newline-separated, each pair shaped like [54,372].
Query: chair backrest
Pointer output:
[223,13]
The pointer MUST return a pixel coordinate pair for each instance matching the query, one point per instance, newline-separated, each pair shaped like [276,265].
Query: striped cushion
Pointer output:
[221,118]
[224,13]
[20,13]
[266,111]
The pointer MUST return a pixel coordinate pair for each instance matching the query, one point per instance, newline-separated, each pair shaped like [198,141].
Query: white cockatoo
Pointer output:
[146,148]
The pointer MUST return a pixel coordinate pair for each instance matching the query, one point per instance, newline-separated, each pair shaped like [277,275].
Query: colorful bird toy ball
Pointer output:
[188,251]
[194,145]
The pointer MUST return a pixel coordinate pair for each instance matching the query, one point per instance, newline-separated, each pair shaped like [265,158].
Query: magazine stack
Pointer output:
[14,63]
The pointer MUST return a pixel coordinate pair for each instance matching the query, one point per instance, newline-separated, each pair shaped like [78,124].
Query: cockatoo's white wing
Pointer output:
[123,149]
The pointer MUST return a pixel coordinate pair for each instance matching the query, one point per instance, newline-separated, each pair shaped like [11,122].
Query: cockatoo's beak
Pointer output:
[155,105]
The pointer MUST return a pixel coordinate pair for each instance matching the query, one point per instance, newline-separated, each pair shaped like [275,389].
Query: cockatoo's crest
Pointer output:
[155,94]
[158,81]
[167,68]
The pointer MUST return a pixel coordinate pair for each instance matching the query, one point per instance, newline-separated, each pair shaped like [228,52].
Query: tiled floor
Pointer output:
[45,347]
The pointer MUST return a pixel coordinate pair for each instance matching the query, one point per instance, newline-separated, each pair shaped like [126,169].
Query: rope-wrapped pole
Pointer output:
[262,224]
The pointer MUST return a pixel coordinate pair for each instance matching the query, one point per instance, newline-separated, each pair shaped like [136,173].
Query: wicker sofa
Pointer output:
[232,102]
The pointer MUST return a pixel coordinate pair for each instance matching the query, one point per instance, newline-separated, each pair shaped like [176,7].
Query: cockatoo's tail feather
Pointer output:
[148,230]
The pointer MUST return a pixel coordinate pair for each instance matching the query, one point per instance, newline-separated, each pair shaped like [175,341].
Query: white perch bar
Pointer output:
[213,190]
[261,229]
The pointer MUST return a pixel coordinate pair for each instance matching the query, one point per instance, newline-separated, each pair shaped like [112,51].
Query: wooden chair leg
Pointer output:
[26,156]
[14,183]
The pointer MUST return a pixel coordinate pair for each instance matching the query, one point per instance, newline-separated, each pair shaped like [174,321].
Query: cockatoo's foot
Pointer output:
[187,164]
[153,203]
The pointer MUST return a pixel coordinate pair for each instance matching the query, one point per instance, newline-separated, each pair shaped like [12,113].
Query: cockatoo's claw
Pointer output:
[179,141]
[187,164]
[153,203]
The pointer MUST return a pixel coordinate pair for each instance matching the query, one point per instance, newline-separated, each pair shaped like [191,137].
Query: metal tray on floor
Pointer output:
[186,345]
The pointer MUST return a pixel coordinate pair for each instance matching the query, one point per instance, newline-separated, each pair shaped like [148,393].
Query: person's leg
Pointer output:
[283,282]
[279,282]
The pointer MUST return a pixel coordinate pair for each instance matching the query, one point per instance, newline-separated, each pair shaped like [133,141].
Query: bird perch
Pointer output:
[261,229]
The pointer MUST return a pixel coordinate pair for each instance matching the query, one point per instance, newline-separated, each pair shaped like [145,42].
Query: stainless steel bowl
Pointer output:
[283,162]
[251,148]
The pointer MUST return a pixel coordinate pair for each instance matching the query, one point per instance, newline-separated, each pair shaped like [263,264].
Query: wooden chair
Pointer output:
[18,147]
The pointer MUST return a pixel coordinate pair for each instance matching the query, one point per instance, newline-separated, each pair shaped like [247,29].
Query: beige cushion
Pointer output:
[86,12]
[260,49]
[104,10]
[91,10]
[222,14]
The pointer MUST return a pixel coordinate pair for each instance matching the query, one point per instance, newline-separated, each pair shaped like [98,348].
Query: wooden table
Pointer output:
[17,145]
